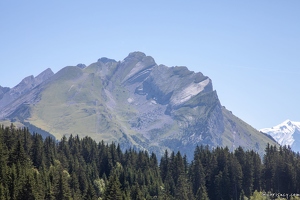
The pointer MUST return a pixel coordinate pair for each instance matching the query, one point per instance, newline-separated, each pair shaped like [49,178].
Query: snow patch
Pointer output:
[130,100]
[284,132]
[153,101]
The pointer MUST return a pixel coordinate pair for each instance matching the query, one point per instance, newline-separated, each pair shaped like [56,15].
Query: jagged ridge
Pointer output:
[135,102]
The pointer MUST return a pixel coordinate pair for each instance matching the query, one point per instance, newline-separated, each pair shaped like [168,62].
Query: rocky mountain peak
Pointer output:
[286,133]
[134,102]
[43,76]
[137,54]
[106,60]
[288,122]
[81,66]
[3,90]
[135,57]
[24,86]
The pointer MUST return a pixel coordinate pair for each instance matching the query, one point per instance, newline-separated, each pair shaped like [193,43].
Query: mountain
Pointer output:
[286,133]
[8,95]
[134,102]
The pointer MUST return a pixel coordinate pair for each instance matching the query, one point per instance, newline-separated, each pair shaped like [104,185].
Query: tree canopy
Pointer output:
[80,168]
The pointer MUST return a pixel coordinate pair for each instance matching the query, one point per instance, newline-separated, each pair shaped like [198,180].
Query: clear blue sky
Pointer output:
[250,49]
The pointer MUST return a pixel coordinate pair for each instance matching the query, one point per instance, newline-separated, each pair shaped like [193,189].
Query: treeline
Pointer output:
[79,168]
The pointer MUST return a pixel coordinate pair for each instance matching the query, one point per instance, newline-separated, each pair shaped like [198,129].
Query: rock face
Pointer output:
[134,102]
[27,84]
[3,90]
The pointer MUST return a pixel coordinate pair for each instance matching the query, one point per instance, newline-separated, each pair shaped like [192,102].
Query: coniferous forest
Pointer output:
[80,168]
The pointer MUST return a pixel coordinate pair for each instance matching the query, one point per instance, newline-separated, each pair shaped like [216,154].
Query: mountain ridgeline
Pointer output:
[134,102]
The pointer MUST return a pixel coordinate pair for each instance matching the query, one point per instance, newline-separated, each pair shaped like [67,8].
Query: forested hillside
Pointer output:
[80,168]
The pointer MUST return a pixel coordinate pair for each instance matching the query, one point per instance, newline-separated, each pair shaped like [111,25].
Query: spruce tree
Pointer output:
[136,192]
[62,189]
[201,194]
[164,166]
[37,151]
[197,176]
[248,175]
[236,177]
[27,191]
[18,155]
[113,190]
[257,170]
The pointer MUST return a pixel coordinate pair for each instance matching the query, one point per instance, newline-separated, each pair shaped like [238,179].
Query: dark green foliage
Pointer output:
[74,168]
[113,190]
[37,153]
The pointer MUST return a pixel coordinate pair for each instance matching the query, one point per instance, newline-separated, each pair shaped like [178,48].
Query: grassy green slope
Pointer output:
[71,105]
[239,132]
[78,103]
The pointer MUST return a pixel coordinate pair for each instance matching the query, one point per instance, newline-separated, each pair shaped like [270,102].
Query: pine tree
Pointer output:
[181,188]
[218,183]
[4,193]
[236,177]
[3,161]
[82,179]
[197,176]
[201,194]
[257,168]
[37,151]
[169,184]
[136,192]
[91,193]
[113,190]
[27,191]
[62,189]
[18,155]
[74,186]
[248,175]
[164,166]
[178,168]
[50,151]
[13,183]
[269,168]
[26,140]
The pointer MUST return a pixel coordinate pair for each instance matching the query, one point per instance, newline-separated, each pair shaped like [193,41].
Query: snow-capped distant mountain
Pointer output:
[286,133]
